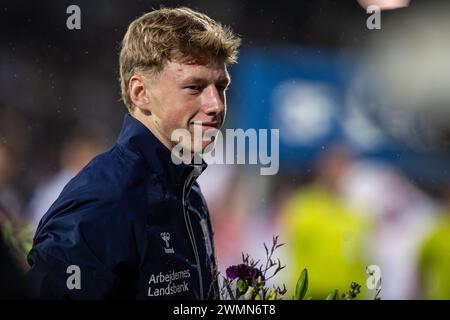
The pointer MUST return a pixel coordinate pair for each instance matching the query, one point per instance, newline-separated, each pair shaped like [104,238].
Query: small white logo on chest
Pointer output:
[166,237]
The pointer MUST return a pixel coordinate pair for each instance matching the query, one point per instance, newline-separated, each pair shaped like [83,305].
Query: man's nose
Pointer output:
[213,101]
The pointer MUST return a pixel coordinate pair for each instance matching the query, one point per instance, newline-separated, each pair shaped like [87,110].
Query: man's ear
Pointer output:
[139,94]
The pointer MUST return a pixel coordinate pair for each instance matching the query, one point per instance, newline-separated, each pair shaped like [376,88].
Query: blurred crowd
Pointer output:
[59,107]
[348,214]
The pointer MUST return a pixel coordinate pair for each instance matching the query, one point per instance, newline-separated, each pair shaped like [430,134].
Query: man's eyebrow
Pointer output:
[193,79]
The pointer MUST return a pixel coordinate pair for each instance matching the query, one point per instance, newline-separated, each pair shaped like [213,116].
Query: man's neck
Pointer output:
[148,123]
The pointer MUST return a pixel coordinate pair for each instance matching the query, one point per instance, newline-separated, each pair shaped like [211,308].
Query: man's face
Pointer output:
[187,96]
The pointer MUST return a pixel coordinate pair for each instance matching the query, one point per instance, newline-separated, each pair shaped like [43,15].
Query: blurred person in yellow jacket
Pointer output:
[325,235]
[434,258]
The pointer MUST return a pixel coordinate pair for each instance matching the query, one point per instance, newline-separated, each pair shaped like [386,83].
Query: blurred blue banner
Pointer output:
[315,99]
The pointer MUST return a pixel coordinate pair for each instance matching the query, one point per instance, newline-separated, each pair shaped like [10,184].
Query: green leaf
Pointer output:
[333,295]
[241,287]
[302,285]
[8,233]
[272,294]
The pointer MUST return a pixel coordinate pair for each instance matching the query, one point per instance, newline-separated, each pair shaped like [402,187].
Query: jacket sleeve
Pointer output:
[83,249]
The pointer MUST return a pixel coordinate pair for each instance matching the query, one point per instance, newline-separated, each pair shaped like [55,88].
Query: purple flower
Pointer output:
[244,272]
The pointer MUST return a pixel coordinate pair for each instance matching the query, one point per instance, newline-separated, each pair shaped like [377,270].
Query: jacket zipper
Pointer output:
[186,188]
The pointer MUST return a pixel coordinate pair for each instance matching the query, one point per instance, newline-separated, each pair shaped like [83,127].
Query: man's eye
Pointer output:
[221,88]
[195,88]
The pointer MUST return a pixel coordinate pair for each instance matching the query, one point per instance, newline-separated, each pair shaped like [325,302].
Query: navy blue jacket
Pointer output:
[131,224]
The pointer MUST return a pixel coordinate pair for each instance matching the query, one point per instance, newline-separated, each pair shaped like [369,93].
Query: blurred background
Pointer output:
[363,114]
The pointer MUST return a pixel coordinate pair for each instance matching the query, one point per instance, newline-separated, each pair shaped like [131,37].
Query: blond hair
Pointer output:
[172,34]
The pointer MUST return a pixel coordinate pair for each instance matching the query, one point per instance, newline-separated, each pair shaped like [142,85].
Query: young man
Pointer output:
[132,223]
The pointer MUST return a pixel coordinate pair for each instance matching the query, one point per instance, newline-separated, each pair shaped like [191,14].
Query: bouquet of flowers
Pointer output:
[248,280]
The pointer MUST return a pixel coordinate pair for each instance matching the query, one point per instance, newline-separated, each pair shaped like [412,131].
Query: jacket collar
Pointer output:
[141,140]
